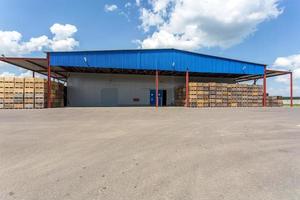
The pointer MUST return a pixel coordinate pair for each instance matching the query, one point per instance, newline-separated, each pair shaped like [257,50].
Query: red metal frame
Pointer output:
[291,87]
[49,100]
[265,88]
[187,88]
[21,58]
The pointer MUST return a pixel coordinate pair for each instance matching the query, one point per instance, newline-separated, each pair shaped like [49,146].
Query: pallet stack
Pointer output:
[199,95]
[242,95]
[29,93]
[224,95]
[1,92]
[275,101]
[9,93]
[57,95]
[18,93]
[40,93]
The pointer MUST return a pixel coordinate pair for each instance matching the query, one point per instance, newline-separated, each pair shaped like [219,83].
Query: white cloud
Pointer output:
[63,37]
[21,75]
[149,19]
[288,63]
[11,43]
[7,74]
[110,8]
[138,2]
[62,32]
[191,24]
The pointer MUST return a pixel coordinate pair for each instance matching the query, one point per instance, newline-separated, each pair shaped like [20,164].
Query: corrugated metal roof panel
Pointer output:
[160,59]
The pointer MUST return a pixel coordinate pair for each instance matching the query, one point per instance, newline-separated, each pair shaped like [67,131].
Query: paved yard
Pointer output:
[141,153]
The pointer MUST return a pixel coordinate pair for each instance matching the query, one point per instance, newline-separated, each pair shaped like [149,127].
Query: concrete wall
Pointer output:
[96,89]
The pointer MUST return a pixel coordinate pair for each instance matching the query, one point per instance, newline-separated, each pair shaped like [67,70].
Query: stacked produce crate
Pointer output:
[242,95]
[199,95]
[224,95]
[1,92]
[57,94]
[9,92]
[40,93]
[275,101]
[29,93]
[179,96]
[18,93]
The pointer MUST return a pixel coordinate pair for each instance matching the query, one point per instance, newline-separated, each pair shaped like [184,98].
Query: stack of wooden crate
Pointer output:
[1,92]
[40,93]
[57,94]
[29,93]
[199,95]
[18,93]
[179,95]
[275,101]
[9,92]
[242,95]
[223,95]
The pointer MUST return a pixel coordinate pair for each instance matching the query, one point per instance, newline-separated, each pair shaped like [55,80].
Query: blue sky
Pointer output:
[255,32]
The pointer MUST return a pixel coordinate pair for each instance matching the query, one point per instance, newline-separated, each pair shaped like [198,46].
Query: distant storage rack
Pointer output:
[29,93]
[224,95]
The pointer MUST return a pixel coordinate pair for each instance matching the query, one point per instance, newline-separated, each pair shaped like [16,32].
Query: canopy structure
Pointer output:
[269,74]
[38,65]
[172,62]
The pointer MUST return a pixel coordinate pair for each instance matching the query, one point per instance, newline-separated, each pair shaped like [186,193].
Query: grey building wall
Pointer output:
[121,90]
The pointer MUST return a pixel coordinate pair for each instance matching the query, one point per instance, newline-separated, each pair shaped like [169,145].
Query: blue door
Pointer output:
[153,97]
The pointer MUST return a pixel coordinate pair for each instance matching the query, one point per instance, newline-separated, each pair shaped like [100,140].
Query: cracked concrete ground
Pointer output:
[141,153]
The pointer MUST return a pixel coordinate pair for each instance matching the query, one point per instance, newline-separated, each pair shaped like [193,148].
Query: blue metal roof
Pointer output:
[155,59]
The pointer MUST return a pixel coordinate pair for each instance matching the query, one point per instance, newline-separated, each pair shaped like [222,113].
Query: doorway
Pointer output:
[162,97]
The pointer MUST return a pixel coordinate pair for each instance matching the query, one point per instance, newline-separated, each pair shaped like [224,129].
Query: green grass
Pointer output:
[295,105]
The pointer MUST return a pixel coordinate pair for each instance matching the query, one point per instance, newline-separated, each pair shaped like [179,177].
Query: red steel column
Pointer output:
[156,87]
[49,100]
[291,87]
[265,88]
[187,88]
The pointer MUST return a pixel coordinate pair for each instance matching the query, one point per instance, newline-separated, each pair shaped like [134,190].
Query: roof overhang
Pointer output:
[38,65]
[67,70]
[269,73]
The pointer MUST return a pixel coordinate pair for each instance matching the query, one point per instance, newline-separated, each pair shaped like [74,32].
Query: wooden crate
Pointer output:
[29,90]
[223,95]
[40,105]
[28,101]
[8,106]
[28,106]
[32,92]
[18,106]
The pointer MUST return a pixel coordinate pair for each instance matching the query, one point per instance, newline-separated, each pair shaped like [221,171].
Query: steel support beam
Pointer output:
[156,89]
[265,88]
[291,87]
[49,100]
[187,100]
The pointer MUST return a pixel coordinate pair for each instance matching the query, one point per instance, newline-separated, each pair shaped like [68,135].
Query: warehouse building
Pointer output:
[139,77]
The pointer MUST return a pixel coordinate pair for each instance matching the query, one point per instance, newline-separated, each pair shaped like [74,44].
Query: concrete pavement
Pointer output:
[141,153]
